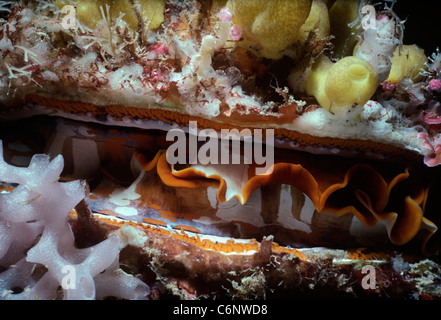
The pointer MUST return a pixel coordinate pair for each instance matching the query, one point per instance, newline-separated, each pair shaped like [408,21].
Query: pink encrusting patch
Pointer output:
[435,84]
[431,118]
[225,15]
[235,33]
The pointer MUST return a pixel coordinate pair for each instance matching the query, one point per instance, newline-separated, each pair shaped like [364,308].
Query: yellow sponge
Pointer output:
[270,26]
[317,22]
[119,7]
[342,86]
[408,64]
[153,10]
[88,11]
[342,13]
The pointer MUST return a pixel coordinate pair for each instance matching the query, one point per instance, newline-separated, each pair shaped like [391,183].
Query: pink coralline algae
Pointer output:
[225,15]
[235,33]
[160,49]
[388,87]
[431,118]
[382,18]
[435,84]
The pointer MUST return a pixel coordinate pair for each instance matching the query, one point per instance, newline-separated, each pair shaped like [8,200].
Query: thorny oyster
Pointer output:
[355,117]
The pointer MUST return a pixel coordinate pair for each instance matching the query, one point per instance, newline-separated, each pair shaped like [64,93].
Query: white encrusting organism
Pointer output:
[200,70]
[378,44]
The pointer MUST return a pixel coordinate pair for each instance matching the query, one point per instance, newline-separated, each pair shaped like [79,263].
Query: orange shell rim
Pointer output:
[168,116]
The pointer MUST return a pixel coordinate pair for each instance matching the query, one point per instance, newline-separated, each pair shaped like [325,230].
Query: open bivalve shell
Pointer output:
[235,155]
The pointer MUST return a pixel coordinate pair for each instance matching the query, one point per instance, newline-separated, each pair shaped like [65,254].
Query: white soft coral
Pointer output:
[378,44]
[34,217]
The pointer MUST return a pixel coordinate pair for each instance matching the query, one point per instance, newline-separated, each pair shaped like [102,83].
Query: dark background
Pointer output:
[423,23]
